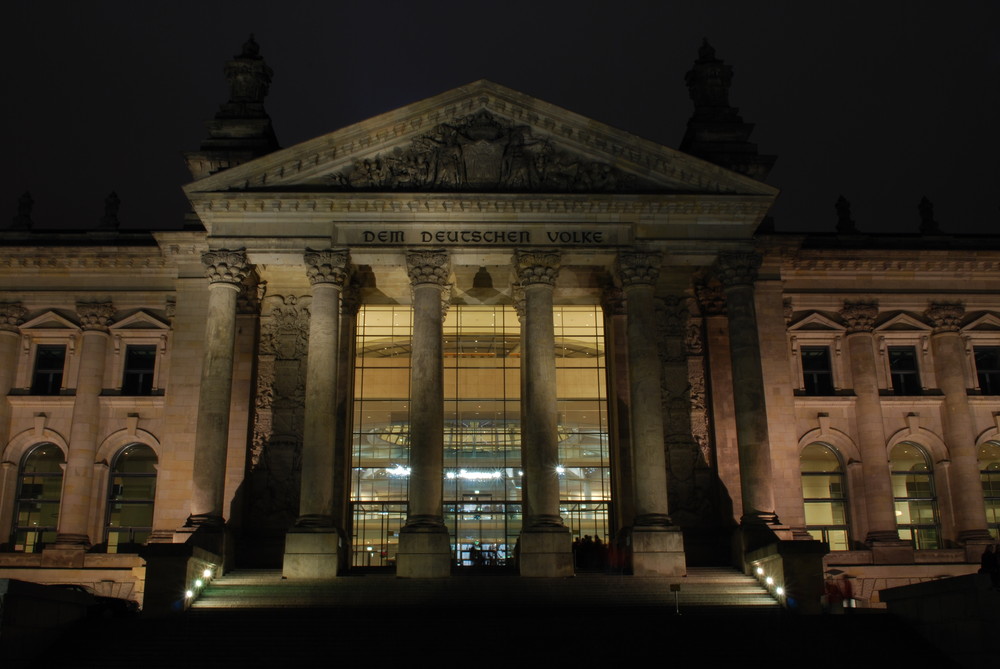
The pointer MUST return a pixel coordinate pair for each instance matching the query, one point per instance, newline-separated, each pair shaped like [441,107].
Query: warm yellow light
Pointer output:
[769,580]
[189,594]
[760,571]
[779,590]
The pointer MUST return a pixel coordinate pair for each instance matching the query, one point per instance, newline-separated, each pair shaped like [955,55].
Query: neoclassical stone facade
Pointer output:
[470,331]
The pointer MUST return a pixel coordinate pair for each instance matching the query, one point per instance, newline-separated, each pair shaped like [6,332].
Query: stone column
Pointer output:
[545,545]
[738,271]
[77,501]
[959,431]
[311,547]
[424,546]
[616,339]
[11,316]
[657,544]
[350,303]
[225,271]
[881,516]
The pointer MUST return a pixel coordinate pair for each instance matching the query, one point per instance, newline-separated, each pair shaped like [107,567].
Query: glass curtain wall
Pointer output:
[482,441]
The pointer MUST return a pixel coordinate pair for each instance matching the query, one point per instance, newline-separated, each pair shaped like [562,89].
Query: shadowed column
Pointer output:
[11,316]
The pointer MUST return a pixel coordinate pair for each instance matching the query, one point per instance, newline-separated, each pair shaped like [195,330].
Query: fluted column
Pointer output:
[860,318]
[738,271]
[225,271]
[11,316]
[657,546]
[424,548]
[546,548]
[959,430]
[77,496]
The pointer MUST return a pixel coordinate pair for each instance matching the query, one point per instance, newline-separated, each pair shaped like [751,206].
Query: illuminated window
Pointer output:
[130,499]
[989,472]
[817,372]
[904,371]
[38,493]
[914,496]
[825,496]
[140,364]
[50,360]
[988,369]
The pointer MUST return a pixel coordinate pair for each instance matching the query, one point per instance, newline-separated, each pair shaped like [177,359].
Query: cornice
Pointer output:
[882,264]
[72,258]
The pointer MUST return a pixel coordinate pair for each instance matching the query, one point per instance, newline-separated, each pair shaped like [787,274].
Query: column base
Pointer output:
[546,554]
[423,553]
[658,551]
[974,548]
[889,551]
[311,553]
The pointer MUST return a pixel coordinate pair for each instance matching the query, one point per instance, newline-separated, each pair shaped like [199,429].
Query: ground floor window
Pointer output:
[825,496]
[38,492]
[130,498]
[914,496]
[989,468]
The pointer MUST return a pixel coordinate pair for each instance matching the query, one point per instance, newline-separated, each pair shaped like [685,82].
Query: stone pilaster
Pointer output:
[738,271]
[424,546]
[226,271]
[546,548]
[311,547]
[959,430]
[11,316]
[77,498]
[860,319]
[657,545]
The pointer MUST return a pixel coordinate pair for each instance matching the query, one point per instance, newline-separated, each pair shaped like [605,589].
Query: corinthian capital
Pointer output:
[712,299]
[11,315]
[95,315]
[945,316]
[638,268]
[428,267]
[859,316]
[328,266]
[534,267]
[223,266]
[738,269]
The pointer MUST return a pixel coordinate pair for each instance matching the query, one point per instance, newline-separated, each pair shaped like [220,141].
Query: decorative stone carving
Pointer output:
[11,315]
[517,297]
[251,293]
[95,315]
[613,300]
[224,266]
[738,269]
[537,266]
[945,316]
[859,316]
[249,77]
[481,152]
[788,311]
[170,309]
[428,267]
[350,297]
[693,341]
[638,268]
[284,328]
[328,266]
[711,299]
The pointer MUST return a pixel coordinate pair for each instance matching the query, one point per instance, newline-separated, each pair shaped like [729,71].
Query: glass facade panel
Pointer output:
[989,468]
[130,499]
[915,499]
[482,440]
[825,496]
[38,494]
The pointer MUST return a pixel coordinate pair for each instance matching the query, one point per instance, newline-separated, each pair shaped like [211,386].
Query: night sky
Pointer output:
[881,101]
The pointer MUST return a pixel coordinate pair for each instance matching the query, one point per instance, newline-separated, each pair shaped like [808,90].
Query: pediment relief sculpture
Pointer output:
[481,153]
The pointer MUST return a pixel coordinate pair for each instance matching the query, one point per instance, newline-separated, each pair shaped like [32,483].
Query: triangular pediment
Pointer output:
[50,320]
[816,321]
[480,138]
[902,321]
[986,323]
[140,320]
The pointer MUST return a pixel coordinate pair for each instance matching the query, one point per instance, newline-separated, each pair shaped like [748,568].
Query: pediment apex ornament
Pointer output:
[537,267]
[226,267]
[328,266]
[638,268]
[428,267]
[859,316]
[95,315]
[738,269]
[945,316]
[11,315]
[481,152]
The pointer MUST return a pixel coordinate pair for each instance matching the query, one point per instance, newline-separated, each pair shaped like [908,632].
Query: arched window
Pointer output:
[130,498]
[825,496]
[913,493]
[989,472]
[38,491]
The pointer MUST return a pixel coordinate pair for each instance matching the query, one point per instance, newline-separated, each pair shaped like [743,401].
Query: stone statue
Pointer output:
[111,206]
[845,224]
[928,226]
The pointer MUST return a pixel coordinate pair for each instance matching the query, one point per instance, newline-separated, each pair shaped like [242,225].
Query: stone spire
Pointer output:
[241,129]
[716,131]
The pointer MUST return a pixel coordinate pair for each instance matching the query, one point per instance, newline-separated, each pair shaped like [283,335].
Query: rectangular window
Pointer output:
[50,360]
[904,370]
[988,369]
[140,363]
[817,372]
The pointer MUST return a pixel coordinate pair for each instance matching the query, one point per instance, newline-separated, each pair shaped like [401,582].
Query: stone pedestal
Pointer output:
[311,553]
[423,553]
[658,551]
[546,553]
[891,552]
